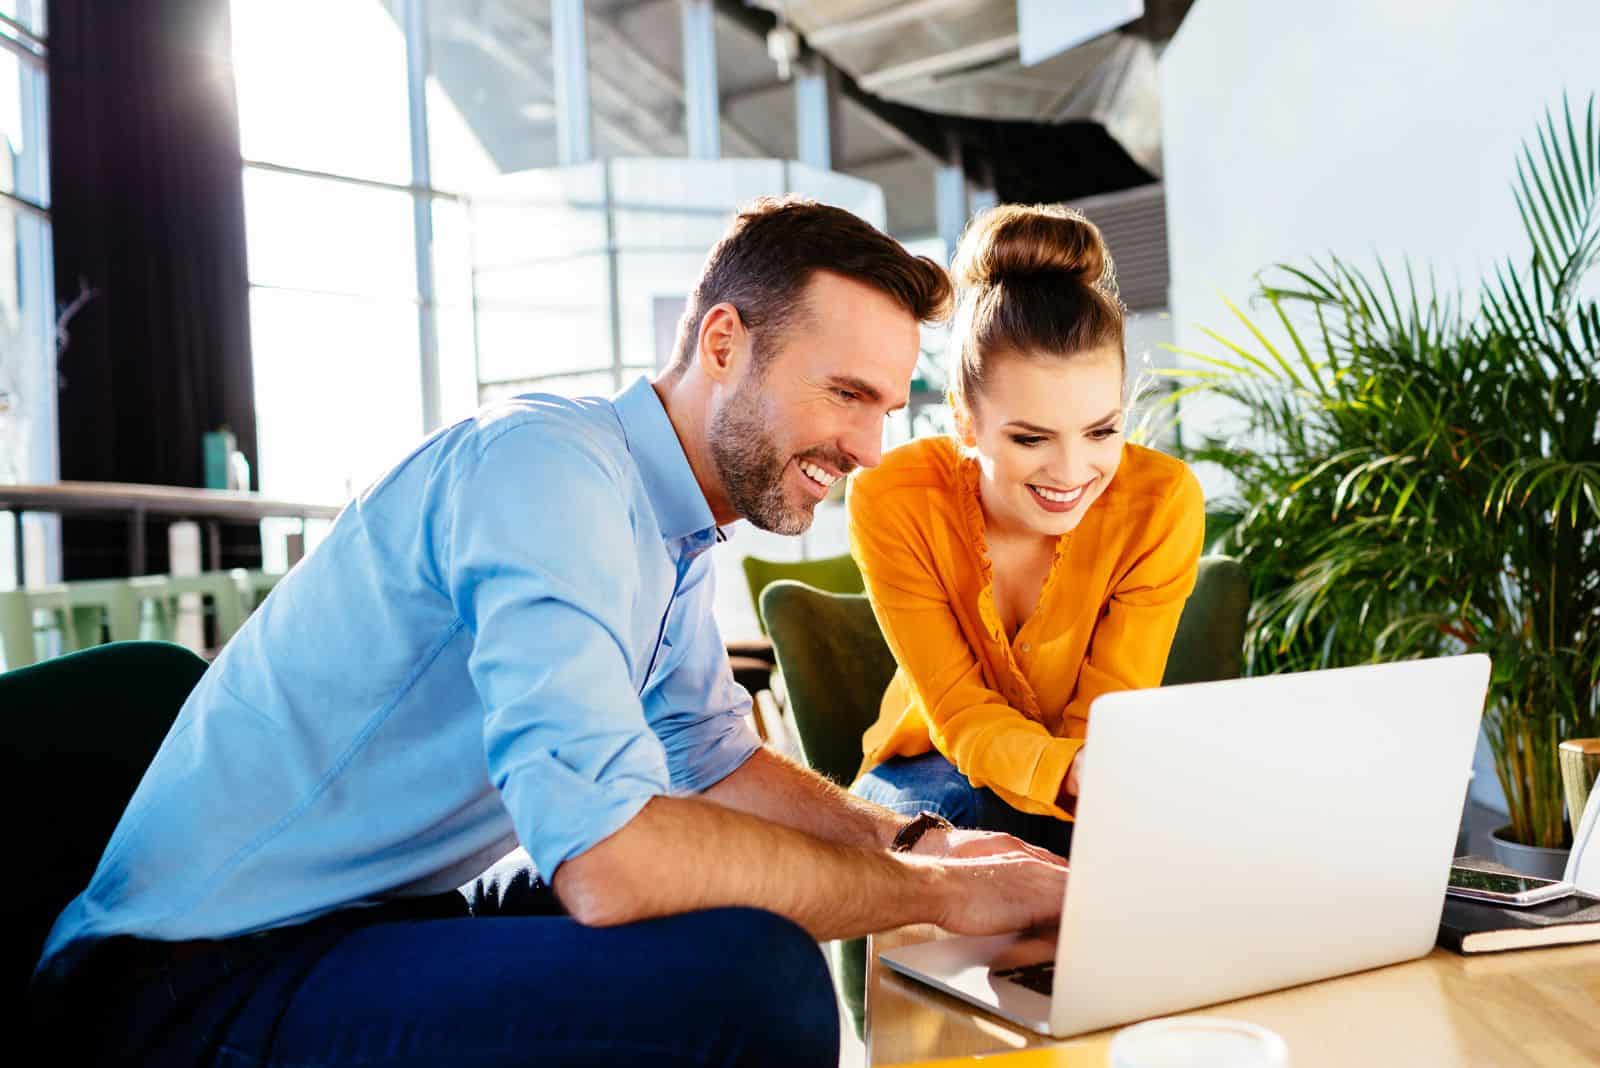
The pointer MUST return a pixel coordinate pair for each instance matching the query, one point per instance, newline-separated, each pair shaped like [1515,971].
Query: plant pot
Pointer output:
[1530,860]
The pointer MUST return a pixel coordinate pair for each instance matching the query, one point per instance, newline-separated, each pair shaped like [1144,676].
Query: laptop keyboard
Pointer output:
[1040,978]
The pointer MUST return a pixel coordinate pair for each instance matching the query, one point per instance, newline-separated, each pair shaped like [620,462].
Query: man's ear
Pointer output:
[723,343]
[966,432]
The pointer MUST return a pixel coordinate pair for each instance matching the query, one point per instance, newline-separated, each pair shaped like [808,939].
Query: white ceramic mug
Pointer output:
[1198,1042]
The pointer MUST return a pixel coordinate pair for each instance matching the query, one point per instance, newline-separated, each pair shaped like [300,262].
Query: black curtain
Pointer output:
[147,207]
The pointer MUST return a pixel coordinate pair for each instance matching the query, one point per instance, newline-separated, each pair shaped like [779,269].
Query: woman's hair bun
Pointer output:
[1014,241]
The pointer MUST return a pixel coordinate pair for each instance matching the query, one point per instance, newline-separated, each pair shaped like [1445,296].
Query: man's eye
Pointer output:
[846,394]
[1027,441]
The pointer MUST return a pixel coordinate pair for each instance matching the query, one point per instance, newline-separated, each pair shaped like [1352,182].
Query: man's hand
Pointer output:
[959,844]
[1000,893]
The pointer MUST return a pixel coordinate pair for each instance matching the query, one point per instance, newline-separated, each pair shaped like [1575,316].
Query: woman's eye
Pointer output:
[1103,433]
[1027,441]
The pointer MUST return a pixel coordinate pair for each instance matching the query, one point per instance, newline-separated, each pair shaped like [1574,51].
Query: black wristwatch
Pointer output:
[909,835]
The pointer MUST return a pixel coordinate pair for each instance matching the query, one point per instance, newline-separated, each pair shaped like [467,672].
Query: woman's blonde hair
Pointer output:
[1030,281]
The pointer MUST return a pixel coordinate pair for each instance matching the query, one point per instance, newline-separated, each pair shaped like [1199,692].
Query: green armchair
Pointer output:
[81,730]
[835,574]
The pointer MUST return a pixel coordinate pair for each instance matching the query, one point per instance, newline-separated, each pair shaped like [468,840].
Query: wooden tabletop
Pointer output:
[1535,1007]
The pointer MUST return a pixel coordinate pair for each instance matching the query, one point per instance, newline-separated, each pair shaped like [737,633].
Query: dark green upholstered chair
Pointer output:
[835,574]
[836,666]
[754,662]
[80,731]
[1209,644]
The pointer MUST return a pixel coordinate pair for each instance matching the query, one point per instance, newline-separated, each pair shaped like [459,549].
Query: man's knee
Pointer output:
[781,979]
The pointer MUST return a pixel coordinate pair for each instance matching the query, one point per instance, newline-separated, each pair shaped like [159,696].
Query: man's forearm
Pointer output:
[684,854]
[777,789]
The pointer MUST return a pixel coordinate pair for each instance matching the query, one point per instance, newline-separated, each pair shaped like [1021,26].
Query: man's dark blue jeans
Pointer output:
[494,975]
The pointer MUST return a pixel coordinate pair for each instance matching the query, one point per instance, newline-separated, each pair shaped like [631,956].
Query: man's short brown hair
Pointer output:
[765,260]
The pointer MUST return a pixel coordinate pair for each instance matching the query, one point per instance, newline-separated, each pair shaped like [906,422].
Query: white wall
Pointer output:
[1297,127]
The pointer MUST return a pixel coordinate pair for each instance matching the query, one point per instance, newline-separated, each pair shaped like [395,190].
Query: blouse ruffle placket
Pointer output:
[977,537]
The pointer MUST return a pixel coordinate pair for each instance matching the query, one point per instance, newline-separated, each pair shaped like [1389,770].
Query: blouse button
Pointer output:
[1026,647]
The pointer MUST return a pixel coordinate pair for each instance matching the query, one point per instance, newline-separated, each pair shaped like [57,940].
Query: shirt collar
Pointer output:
[680,507]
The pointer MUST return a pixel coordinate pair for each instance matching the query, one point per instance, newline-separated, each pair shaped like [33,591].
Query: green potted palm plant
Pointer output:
[1418,474]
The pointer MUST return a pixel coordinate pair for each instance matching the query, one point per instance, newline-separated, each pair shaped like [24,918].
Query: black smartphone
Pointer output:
[1502,889]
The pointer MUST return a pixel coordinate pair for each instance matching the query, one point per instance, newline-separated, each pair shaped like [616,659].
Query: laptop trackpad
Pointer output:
[986,971]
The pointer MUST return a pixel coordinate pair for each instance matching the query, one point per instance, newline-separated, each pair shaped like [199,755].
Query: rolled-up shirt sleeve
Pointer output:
[548,602]
[700,713]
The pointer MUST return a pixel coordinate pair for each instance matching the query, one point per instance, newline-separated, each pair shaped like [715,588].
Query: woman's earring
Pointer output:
[963,419]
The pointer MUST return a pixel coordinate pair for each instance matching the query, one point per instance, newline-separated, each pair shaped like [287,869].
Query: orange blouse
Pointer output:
[1011,714]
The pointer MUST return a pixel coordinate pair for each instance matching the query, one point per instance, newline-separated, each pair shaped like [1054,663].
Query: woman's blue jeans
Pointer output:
[909,785]
[497,976]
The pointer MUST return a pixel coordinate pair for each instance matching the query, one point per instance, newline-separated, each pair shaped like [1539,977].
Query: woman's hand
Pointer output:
[1067,799]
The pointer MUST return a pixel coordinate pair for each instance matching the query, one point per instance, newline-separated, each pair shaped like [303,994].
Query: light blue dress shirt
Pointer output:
[507,639]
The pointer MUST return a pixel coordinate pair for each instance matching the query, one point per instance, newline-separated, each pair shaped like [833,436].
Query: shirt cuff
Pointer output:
[565,813]
[715,757]
[1051,771]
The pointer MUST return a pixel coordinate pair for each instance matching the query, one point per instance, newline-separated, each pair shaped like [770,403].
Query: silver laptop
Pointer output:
[1236,837]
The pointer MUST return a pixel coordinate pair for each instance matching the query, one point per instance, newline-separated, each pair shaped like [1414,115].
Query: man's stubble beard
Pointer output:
[748,463]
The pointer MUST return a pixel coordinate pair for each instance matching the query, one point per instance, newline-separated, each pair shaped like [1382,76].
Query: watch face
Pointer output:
[912,832]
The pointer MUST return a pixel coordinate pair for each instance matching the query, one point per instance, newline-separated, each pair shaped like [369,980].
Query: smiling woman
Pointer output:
[1030,563]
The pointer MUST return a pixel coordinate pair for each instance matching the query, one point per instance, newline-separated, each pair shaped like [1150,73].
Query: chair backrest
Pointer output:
[836,664]
[254,586]
[81,614]
[80,731]
[833,574]
[1209,644]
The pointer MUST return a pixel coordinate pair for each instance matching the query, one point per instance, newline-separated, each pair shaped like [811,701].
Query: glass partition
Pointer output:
[579,274]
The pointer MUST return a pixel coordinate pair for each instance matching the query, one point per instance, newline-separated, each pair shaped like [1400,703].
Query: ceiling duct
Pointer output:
[961,57]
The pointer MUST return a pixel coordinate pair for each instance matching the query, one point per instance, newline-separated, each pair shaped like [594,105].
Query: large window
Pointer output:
[357,352]
[372,129]
[27,352]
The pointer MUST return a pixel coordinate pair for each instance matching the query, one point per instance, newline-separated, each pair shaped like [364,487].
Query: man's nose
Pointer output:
[864,445]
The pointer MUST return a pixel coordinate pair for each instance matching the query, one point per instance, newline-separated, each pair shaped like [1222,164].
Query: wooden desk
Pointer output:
[1536,1007]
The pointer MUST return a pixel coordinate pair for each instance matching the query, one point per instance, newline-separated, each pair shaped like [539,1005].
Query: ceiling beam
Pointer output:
[917,130]
[979,53]
[881,159]
[609,35]
[493,43]
[734,96]
[834,32]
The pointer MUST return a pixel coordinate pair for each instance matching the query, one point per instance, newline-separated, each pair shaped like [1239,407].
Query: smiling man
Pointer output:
[505,649]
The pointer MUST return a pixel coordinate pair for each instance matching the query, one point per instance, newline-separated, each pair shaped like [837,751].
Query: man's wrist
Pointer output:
[916,829]
[929,891]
